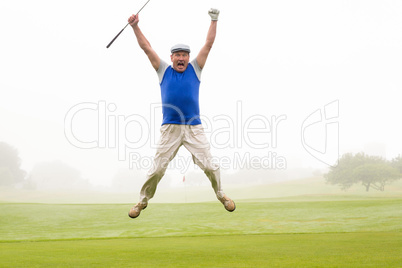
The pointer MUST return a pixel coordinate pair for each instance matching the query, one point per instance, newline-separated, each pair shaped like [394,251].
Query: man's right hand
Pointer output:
[133,20]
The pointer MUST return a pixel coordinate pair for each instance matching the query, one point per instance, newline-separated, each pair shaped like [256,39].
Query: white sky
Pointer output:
[270,58]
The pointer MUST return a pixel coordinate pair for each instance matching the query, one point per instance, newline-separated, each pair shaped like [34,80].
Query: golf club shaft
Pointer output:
[111,42]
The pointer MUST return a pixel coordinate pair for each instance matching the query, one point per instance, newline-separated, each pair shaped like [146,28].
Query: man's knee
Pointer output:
[211,168]
[157,171]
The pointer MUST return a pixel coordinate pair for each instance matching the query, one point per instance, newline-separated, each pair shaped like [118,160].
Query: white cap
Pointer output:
[180,47]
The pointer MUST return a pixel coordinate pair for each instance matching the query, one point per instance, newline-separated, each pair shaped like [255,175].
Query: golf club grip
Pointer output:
[111,42]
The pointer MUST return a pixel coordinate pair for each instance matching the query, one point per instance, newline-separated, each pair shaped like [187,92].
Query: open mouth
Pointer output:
[180,64]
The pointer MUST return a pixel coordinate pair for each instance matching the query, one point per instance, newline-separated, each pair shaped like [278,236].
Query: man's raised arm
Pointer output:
[143,42]
[203,54]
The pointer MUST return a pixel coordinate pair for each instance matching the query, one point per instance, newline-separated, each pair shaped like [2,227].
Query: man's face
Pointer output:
[180,60]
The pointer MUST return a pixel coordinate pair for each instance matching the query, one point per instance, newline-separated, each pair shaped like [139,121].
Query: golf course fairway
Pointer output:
[305,232]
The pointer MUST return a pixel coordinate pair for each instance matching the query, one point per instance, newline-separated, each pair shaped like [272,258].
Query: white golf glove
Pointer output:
[214,13]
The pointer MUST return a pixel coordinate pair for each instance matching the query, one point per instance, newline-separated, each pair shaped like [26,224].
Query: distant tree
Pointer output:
[56,175]
[10,165]
[397,163]
[6,178]
[376,175]
[371,171]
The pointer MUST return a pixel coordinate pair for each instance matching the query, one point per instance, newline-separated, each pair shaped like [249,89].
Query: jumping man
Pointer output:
[180,83]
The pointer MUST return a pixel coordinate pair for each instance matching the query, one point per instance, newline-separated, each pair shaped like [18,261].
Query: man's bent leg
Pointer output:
[213,173]
[153,178]
[197,143]
[169,144]
[148,189]
[211,170]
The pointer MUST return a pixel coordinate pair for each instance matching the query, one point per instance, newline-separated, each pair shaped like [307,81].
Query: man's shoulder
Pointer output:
[196,68]
[163,66]
[194,63]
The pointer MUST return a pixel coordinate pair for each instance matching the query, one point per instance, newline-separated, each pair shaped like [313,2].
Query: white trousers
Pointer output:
[172,138]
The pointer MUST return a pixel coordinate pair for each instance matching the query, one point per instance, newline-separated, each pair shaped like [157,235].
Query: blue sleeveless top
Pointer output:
[180,97]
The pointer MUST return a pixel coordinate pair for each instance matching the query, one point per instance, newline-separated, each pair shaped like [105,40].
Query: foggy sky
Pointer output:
[270,60]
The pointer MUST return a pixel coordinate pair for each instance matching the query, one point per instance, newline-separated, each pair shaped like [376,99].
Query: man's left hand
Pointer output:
[214,13]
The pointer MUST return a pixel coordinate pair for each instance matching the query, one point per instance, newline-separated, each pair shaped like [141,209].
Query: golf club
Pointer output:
[111,42]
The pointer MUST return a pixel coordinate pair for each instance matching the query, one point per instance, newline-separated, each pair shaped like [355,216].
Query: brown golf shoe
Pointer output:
[136,210]
[228,203]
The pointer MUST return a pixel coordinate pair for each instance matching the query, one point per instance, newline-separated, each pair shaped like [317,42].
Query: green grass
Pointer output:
[296,232]
[50,221]
[297,250]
